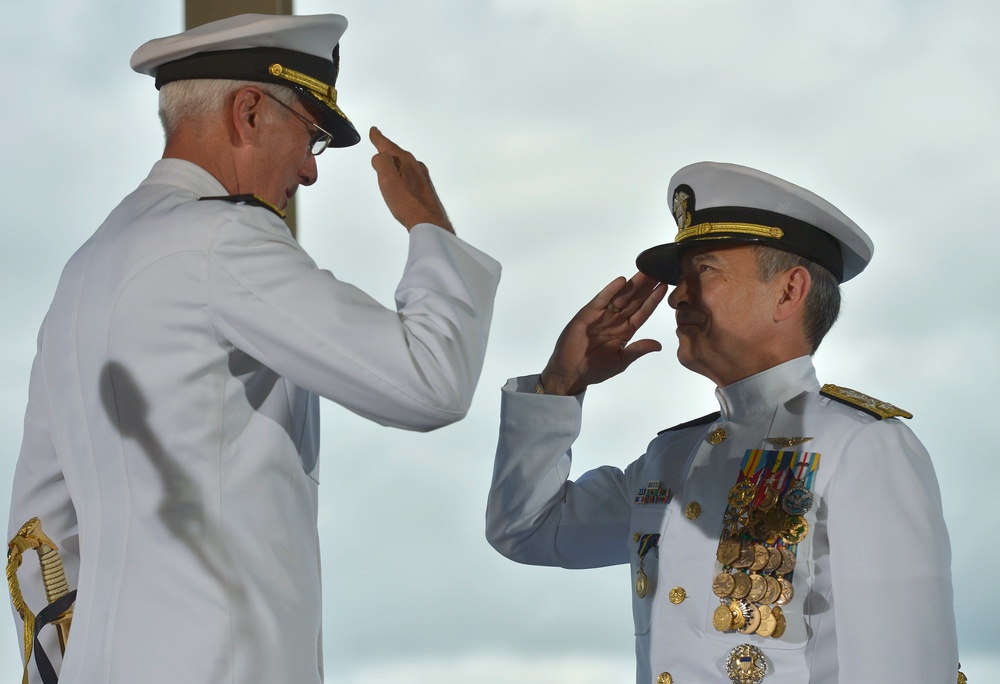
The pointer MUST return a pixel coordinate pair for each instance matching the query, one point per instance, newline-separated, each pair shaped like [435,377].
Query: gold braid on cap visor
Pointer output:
[326,94]
[729,227]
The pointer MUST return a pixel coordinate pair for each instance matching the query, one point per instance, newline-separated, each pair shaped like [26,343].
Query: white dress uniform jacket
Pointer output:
[873,594]
[172,430]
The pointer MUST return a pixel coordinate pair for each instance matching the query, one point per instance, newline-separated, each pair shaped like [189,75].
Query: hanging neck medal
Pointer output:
[646,542]
[763,525]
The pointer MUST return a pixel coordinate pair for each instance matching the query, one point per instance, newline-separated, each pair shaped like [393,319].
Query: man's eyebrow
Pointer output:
[703,257]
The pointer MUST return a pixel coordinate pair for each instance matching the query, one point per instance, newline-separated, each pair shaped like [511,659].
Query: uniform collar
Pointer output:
[767,389]
[187,175]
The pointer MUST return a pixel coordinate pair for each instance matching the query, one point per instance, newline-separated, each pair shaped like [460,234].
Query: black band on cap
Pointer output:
[254,64]
[251,64]
[799,237]
[730,226]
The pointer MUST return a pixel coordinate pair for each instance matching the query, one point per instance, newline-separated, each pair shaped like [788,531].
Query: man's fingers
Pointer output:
[648,305]
[382,143]
[637,350]
[605,296]
[390,157]
[385,163]
[628,297]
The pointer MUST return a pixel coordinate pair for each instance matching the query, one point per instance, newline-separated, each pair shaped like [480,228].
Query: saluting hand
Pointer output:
[595,346]
[406,185]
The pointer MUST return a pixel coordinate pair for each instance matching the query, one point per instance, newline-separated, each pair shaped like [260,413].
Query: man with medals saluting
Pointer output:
[794,536]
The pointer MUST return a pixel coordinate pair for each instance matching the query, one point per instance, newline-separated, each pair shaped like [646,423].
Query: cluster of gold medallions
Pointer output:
[756,551]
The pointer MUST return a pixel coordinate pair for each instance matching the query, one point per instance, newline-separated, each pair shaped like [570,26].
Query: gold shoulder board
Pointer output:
[879,409]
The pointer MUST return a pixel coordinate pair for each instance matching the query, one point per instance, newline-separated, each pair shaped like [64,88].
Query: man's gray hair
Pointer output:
[193,98]
[822,305]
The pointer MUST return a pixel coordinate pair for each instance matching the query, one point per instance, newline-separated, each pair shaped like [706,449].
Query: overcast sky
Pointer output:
[551,129]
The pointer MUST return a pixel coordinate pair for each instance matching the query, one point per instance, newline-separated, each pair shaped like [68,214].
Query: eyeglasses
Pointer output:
[320,140]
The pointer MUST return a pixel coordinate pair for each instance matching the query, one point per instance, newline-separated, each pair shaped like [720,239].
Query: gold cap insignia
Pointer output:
[681,213]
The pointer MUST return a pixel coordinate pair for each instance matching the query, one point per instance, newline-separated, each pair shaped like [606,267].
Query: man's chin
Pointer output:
[287,197]
[687,356]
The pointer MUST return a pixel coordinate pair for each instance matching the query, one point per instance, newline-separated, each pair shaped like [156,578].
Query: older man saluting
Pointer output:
[794,536]
[171,437]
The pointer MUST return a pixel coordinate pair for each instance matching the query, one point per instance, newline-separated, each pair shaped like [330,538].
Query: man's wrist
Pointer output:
[551,385]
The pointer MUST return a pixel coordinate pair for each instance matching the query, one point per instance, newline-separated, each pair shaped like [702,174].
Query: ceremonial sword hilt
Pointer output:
[30,536]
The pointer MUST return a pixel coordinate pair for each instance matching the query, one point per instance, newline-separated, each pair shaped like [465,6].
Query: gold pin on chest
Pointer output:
[787,441]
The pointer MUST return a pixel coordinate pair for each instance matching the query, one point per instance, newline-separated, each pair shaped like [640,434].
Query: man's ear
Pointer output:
[795,283]
[246,115]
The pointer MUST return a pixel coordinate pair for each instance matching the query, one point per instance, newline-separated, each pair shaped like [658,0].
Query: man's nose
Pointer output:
[680,294]
[308,173]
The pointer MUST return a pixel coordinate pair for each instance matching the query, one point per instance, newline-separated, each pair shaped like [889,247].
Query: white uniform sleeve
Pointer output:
[415,367]
[890,562]
[39,490]
[534,514]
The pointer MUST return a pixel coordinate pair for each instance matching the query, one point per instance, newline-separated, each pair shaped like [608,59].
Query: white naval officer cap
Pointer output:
[716,204]
[300,52]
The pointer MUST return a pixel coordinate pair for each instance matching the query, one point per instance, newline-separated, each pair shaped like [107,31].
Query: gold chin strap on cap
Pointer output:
[30,536]
[326,94]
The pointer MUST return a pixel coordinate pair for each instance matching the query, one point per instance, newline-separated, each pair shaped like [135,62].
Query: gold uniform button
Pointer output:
[692,511]
[677,595]
[664,678]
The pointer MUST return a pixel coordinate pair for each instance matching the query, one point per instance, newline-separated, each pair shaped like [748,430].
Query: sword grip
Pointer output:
[56,586]
[30,536]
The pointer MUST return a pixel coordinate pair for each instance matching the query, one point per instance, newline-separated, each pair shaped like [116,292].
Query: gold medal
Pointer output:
[773,560]
[641,584]
[752,615]
[757,588]
[723,585]
[746,665]
[796,530]
[647,543]
[760,557]
[722,618]
[742,582]
[779,623]
[767,622]
[736,610]
[787,562]
[787,592]
[741,494]
[734,522]
[764,526]
[746,556]
[729,550]
[773,591]
[768,499]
